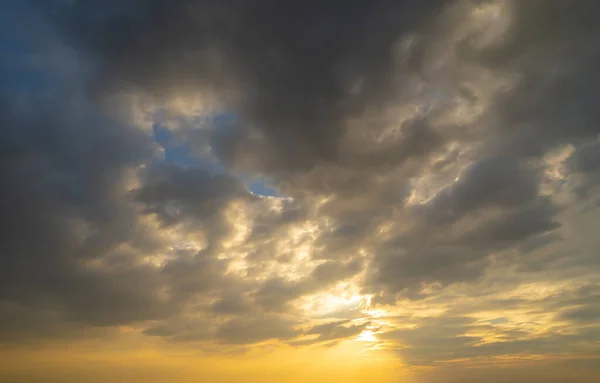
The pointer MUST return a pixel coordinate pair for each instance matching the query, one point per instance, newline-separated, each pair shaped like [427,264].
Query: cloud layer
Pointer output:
[434,168]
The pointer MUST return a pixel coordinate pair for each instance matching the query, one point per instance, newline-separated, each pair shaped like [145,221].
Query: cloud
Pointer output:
[253,330]
[331,332]
[242,55]
[447,339]
[277,293]
[496,182]
[64,207]
[421,153]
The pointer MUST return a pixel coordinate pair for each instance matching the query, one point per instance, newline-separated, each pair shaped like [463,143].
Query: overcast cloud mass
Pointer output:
[421,177]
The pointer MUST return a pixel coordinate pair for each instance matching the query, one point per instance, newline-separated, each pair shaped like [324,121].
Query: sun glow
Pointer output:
[366,336]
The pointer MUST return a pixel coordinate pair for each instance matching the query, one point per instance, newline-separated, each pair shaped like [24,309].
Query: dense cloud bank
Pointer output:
[419,153]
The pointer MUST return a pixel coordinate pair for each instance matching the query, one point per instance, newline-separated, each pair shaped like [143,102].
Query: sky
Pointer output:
[300,191]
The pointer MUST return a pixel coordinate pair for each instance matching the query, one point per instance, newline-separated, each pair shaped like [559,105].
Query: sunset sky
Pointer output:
[321,191]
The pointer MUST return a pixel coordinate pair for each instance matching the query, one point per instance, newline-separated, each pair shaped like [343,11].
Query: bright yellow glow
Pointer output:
[75,363]
[341,297]
[366,336]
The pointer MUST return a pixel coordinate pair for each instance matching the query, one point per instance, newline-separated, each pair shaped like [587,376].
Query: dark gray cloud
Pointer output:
[282,66]
[491,182]
[63,165]
[585,314]
[586,158]
[23,324]
[245,330]
[460,248]
[552,47]
[234,302]
[174,193]
[584,164]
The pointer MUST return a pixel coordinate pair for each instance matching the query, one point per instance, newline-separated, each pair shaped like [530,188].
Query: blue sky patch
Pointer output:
[180,152]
